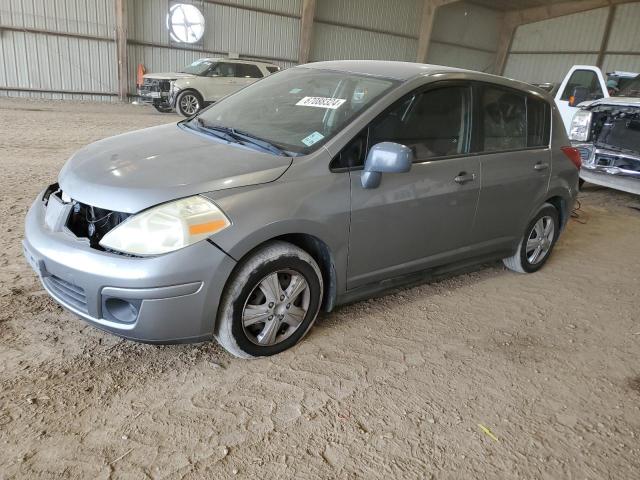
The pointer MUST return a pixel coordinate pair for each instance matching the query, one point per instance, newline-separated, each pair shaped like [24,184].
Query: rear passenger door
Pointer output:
[513,146]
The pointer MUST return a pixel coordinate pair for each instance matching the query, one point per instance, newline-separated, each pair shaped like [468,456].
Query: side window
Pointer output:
[538,122]
[352,155]
[504,119]
[273,69]
[223,70]
[433,124]
[247,70]
[583,79]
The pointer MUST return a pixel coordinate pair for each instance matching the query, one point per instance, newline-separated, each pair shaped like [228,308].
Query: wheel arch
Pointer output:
[317,248]
[560,204]
[188,90]
[321,253]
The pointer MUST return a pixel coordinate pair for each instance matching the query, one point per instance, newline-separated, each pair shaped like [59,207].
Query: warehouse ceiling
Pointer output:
[515,4]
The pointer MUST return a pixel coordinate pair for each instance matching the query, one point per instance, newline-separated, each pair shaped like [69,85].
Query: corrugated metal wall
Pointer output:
[544,51]
[366,29]
[68,45]
[465,35]
[625,36]
[41,62]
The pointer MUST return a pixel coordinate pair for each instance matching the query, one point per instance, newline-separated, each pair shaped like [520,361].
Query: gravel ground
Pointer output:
[395,387]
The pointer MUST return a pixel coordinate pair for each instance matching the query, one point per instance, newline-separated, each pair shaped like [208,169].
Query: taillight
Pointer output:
[573,154]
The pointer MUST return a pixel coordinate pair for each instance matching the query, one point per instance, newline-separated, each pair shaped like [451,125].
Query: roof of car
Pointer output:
[405,71]
[241,60]
[383,68]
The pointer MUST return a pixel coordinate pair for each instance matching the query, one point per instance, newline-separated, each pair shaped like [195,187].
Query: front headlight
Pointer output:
[581,126]
[167,227]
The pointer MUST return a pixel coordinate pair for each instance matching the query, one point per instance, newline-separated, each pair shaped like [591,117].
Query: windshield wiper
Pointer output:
[239,136]
[217,131]
[260,142]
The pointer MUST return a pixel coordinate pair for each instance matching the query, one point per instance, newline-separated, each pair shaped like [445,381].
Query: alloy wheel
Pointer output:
[189,104]
[540,240]
[276,307]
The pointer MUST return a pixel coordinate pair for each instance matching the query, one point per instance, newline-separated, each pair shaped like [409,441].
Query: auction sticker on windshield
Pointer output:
[321,102]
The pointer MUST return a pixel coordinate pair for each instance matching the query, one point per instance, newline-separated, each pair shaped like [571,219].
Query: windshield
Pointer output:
[298,109]
[199,67]
[631,88]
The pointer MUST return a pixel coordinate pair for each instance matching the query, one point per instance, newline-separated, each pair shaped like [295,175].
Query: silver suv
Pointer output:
[324,184]
[205,81]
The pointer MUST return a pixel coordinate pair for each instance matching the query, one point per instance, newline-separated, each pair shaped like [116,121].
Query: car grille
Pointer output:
[154,85]
[67,292]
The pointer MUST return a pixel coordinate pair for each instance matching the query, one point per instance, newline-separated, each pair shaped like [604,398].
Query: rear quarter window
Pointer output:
[247,70]
[538,122]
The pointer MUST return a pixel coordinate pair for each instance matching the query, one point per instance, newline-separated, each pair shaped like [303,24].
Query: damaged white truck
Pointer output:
[602,118]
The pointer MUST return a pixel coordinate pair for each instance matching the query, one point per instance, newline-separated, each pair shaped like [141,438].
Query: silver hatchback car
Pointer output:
[317,186]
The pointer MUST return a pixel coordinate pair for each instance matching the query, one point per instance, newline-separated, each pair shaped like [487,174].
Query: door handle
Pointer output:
[464,177]
[541,166]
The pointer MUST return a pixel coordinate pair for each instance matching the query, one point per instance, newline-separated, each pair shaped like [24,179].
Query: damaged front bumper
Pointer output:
[610,168]
[169,298]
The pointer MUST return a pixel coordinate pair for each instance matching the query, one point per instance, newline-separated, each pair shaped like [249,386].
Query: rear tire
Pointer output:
[537,243]
[189,103]
[270,302]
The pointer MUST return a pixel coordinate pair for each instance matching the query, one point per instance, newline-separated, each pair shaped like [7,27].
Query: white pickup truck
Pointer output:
[587,83]
[602,118]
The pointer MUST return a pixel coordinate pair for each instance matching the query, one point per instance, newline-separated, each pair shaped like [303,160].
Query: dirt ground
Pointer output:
[396,387]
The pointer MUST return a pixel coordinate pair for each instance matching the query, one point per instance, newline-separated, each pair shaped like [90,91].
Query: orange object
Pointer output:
[206,227]
[141,72]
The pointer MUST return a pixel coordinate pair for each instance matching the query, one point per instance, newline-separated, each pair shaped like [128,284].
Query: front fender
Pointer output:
[317,206]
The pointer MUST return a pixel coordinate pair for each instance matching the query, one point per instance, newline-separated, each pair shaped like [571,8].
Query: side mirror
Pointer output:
[385,157]
[580,94]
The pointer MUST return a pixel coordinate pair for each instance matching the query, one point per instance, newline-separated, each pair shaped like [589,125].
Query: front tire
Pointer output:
[537,243]
[163,108]
[189,103]
[270,302]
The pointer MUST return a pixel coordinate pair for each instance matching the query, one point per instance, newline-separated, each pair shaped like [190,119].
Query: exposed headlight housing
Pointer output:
[167,227]
[581,126]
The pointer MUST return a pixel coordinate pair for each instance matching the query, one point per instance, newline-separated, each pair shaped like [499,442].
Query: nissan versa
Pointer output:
[313,187]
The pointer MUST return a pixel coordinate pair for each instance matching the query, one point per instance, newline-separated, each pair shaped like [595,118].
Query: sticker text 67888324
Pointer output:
[321,102]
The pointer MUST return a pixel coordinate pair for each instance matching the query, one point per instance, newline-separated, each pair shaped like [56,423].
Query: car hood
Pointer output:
[167,75]
[613,101]
[137,170]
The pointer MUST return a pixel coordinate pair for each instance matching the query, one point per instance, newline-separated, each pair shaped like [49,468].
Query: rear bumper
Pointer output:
[169,298]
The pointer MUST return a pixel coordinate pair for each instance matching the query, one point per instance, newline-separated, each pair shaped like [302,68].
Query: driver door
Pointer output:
[424,217]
